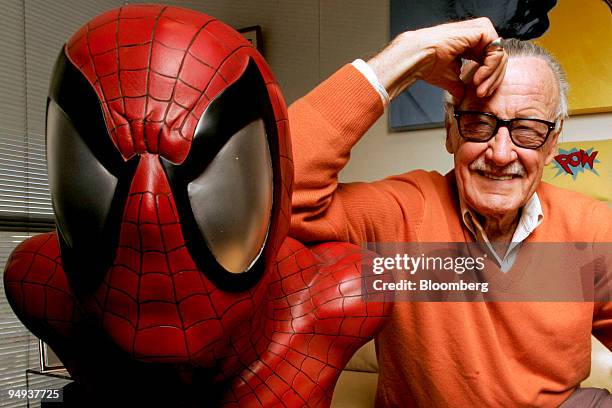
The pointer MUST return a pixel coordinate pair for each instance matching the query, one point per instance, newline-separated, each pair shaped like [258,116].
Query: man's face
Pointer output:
[497,177]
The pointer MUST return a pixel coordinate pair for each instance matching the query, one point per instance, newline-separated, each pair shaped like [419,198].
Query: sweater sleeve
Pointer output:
[325,125]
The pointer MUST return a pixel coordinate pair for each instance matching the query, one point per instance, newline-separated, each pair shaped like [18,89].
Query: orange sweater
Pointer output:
[442,354]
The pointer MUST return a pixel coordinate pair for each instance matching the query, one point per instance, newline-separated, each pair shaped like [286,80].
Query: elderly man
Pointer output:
[459,354]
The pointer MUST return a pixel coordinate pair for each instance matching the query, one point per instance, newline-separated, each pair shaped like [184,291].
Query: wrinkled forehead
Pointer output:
[529,89]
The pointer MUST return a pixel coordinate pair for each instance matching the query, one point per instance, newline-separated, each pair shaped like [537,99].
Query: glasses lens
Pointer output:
[475,126]
[529,133]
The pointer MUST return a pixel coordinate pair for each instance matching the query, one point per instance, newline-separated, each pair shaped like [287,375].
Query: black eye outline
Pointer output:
[87,262]
[239,104]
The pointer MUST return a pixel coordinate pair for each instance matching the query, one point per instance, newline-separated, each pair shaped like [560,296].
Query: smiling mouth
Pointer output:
[499,177]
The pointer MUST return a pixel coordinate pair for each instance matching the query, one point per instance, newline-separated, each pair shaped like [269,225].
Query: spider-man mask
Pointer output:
[168,165]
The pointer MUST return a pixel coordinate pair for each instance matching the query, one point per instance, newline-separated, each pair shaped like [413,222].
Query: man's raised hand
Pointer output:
[434,55]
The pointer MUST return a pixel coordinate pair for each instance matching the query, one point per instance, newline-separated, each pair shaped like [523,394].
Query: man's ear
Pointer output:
[451,145]
[552,147]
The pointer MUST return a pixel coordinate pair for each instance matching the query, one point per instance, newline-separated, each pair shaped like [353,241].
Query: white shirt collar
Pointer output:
[531,218]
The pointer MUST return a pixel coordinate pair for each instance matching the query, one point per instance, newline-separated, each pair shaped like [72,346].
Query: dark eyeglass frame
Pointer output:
[507,123]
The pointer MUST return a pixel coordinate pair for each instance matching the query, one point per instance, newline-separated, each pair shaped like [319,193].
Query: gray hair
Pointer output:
[518,48]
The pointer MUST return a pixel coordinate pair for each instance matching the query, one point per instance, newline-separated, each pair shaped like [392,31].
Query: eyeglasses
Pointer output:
[481,127]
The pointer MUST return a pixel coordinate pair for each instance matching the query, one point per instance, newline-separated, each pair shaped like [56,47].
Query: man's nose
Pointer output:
[501,150]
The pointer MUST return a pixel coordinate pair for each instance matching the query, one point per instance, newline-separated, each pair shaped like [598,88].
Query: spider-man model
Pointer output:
[170,280]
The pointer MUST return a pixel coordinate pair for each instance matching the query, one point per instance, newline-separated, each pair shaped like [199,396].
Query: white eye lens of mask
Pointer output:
[232,199]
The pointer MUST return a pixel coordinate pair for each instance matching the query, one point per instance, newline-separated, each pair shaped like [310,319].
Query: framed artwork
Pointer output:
[253,34]
[580,37]
[421,106]
[49,361]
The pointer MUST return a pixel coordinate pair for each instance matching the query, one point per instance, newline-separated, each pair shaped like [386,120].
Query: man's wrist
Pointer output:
[367,71]
[402,62]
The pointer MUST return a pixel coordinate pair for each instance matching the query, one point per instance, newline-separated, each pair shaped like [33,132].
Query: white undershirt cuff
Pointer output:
[370,75]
